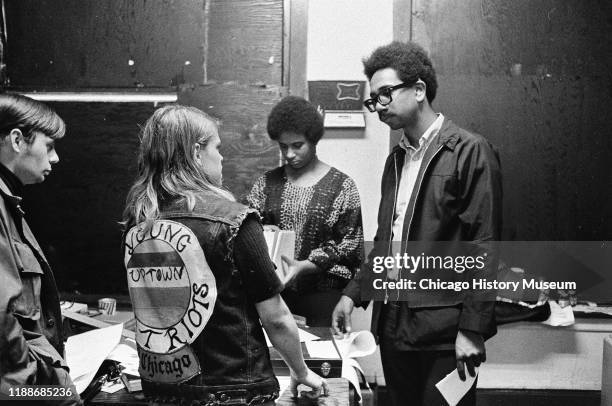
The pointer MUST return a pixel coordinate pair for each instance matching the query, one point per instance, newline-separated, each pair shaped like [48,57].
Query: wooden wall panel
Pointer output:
[246,148]
[75,212]
[534,78]
[245,41]
[88,43]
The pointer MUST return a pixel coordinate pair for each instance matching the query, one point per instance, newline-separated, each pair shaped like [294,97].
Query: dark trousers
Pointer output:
[317,307]
[411,376]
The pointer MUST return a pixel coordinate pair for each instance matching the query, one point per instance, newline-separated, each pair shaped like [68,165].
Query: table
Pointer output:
[338,396]
[333,365]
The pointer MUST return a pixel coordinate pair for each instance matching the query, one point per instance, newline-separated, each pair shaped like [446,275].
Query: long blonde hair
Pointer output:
[167,169]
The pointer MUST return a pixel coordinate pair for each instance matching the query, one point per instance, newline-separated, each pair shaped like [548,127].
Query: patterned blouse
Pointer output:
[326,218]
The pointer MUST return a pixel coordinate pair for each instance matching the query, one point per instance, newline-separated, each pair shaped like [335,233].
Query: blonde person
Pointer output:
[199,275]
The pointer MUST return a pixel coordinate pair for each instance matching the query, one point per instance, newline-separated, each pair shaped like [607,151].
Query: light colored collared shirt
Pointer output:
[410,170]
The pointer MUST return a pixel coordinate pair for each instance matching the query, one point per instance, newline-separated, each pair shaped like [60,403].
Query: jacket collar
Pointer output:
[11,180]
[426,137]
[447,136]
[12,200]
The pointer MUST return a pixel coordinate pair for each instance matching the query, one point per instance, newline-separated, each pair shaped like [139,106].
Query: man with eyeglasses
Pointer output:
[441,183]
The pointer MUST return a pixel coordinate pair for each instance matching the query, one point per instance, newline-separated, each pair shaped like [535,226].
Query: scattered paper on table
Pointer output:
[356,344]
[350,367]
[125,353]
[322,349]
[85,353]
[453,389]
[305,336]
[112,387]
[283,382]
[559,316]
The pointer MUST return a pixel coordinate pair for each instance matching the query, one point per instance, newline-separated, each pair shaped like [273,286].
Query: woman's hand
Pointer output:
[292,268]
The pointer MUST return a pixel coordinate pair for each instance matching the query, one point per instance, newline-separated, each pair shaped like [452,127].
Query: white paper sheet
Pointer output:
[305,336]
[349,372]
[453,389]
[112,387]
[283,382]
[322,349]
[559,316]
[125,353]
[85,353]
[356,344]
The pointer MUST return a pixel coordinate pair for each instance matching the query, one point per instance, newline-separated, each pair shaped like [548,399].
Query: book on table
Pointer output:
[280,242]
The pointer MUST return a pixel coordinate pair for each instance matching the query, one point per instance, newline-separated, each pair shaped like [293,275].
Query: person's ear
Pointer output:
[196,153]
[420,91]
[17,140]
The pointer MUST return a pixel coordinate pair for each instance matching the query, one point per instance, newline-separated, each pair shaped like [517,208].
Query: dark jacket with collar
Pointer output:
[192,308]
[31,337]
[457,197]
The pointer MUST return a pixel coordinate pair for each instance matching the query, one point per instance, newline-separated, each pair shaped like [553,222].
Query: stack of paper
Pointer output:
[85,353]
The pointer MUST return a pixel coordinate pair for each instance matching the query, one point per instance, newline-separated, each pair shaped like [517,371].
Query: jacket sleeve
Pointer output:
[364,274]
[26,358]
[481,217]
[342,254]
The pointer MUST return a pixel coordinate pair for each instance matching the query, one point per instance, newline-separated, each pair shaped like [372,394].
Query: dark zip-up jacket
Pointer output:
[457,197]
[31,337]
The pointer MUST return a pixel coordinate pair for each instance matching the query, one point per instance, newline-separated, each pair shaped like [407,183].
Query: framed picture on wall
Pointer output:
[340,102]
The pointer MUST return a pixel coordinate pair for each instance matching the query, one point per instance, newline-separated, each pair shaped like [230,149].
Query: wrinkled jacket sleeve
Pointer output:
[26,358]
[481,216]
[364,274]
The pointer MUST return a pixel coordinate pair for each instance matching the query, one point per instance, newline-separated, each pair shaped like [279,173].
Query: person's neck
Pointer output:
[311,167]
[425,119]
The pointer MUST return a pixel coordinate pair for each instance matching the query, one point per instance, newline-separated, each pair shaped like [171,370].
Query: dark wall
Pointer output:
[88,43]
[235,74]
[75,213]
[534,78]
[246,43]
[244,73]
[245,146]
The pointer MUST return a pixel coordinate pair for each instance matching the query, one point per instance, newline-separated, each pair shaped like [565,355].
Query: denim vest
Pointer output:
[198,334]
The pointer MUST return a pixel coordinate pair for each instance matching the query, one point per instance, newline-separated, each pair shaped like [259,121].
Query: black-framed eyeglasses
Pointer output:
[384,96]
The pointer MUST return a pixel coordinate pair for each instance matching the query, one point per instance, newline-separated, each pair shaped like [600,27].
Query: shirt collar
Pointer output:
[431,131]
